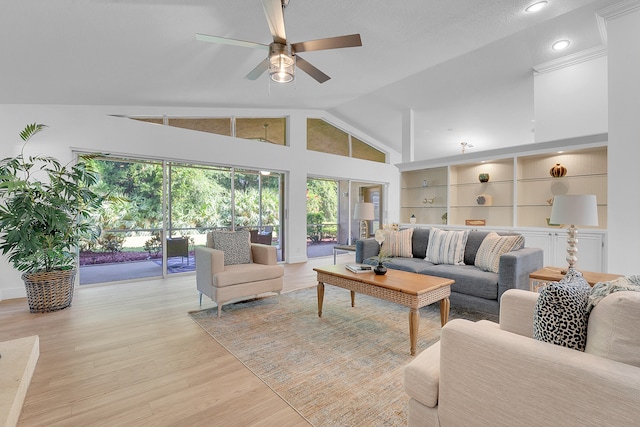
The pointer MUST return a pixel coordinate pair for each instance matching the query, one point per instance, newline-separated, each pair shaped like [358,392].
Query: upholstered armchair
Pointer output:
[488,374]
[237,269]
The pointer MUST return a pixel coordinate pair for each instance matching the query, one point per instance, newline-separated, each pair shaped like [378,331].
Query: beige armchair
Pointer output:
[225,283]
[485,374]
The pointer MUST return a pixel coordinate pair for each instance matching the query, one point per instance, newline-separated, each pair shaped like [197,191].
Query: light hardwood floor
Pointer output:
[129,354]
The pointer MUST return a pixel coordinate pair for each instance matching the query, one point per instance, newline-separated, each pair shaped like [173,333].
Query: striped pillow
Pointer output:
[446,247]
[493,247]
[398,243]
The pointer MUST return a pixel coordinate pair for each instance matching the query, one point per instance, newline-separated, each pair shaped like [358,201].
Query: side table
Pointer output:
[541,277]
[342,248]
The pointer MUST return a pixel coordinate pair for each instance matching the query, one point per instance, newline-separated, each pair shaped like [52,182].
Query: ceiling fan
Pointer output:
[283,57]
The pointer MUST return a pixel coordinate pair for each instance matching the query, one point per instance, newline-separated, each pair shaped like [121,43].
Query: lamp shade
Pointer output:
[364,211]
[575,210]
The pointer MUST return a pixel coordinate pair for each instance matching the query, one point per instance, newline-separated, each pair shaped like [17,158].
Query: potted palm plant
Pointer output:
[44,212]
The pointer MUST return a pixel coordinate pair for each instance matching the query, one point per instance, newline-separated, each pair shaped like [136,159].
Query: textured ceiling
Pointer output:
[463,66]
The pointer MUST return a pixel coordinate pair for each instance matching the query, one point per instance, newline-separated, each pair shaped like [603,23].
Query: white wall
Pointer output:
[624,143]
[93,128]
[571,101]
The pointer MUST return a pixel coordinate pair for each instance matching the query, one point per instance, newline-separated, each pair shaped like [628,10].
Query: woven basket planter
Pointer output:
[49,291]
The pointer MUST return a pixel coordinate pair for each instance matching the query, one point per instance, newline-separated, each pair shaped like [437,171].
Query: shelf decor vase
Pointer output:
[483,177]
[380,269]
[558,171]
[412,220]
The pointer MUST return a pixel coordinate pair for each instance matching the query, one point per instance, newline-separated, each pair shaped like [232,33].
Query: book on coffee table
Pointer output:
[359,268]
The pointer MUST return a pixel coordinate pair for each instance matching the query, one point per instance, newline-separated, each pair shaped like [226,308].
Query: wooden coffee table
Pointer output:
[409,289]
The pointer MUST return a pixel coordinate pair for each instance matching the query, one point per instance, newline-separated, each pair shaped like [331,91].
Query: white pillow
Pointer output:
[446,247]
[493,247]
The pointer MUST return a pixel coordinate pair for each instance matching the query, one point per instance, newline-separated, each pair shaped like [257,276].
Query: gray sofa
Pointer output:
[474,288]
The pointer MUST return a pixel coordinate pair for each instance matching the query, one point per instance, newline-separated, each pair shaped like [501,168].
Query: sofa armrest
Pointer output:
[264,254]
[208,262]
[527,382]
[422,376]
[366,248]
[515,267]
[516,311]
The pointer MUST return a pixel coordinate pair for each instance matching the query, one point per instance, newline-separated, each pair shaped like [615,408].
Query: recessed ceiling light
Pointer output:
[560,45]
[536,6]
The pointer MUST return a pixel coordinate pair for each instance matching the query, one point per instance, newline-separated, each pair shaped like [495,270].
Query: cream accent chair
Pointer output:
[488,374]
[232,282]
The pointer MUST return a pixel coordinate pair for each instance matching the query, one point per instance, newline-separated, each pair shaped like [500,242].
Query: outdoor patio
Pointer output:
[136,270]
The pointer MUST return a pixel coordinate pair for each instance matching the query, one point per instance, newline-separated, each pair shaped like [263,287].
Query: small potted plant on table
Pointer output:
[44,212]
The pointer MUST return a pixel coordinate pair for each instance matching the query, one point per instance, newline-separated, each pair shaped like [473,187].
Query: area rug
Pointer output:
[179,264]
[345,368]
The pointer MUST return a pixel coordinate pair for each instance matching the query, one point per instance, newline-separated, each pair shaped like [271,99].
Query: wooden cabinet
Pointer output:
[554,243]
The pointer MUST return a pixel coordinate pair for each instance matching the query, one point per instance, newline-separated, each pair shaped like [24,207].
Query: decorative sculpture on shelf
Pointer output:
[483,177]
[558,171]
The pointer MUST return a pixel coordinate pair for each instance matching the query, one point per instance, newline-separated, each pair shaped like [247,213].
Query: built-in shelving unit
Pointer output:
[468,193]
[518,194]
[517,198]
[424,194]
[586,174]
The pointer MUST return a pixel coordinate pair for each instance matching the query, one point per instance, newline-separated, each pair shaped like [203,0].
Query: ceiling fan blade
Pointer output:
[232,42]
[275,19]
[318,75]
[260,68]
[352,40]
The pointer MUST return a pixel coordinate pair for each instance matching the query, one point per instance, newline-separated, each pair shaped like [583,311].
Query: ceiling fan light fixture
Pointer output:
[282,64]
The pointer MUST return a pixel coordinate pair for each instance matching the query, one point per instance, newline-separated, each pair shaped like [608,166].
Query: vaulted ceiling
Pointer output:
[463,66]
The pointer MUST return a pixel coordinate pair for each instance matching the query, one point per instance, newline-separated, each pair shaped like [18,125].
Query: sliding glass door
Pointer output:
[167,208]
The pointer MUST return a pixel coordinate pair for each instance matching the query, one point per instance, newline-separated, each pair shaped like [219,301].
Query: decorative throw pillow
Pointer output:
[398,243]
[493,247]
[613,327]
[560,315]
[234,244]
[446,247]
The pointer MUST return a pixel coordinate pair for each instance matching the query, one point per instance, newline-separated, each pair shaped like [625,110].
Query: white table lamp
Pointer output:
[364,212]
[575,210]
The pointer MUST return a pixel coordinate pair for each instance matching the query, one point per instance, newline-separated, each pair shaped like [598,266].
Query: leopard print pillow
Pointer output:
[560,315]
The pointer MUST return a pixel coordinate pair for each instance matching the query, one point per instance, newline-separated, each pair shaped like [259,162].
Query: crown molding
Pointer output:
[569,60]
[619,9]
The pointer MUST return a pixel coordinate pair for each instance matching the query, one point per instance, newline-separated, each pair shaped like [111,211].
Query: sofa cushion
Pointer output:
[470,280]
[235,245]
[419,242]
[245,273]
[397,243]
[613,330]
[561,312]
[446,247]
[493,247]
